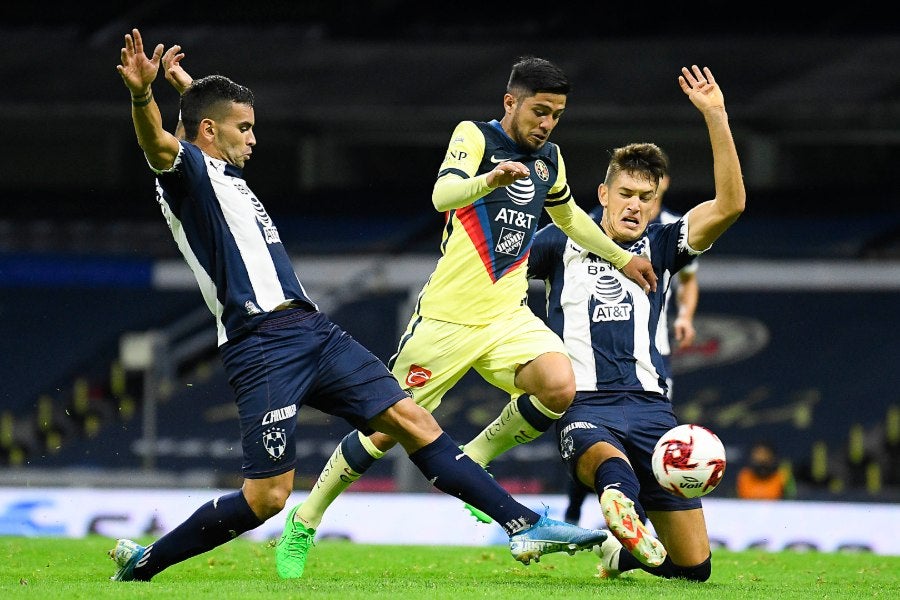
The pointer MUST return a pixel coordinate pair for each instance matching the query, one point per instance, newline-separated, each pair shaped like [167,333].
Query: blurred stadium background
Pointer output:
[110,373]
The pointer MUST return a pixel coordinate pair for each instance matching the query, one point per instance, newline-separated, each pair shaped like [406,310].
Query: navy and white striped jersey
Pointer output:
[662,333]
[607,322]
[228,240]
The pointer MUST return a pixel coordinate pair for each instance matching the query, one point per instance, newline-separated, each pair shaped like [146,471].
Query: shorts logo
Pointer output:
[541,169]
[417,376]
[566,447]
[274,441]
[279,414]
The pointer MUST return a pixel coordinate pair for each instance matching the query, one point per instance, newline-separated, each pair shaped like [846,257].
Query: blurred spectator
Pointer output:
[763,478]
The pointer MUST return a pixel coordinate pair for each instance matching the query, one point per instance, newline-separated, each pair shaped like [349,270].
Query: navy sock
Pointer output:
[355,454]
[618,473]
[668,569]
[627,562]
[532,415]
[452,472]
[211,525]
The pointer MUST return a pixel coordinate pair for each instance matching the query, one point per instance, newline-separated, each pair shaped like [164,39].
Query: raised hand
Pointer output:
[700,86]
[174,72]
[137,70]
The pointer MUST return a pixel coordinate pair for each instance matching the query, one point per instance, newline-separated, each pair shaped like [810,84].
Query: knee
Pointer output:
[268,501]
[557,393]
[406,419]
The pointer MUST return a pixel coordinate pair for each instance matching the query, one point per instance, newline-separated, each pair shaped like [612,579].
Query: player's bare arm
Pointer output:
[138,72]
[710,219]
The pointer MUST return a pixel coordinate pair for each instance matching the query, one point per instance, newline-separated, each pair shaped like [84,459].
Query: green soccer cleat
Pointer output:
[548,536]
[292,548]
[126,554]
[478,514]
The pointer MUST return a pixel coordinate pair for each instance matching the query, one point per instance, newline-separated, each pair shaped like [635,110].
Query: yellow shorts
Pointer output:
[434,355]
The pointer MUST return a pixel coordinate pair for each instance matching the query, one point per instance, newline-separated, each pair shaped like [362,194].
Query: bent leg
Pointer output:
[684,534]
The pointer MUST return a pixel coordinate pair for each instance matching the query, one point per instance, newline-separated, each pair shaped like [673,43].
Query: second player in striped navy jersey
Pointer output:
[607,436]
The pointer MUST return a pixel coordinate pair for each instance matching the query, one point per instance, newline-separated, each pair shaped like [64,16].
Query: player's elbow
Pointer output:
[740,202]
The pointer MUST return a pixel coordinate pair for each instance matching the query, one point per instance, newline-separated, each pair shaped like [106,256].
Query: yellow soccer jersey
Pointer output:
[481,273]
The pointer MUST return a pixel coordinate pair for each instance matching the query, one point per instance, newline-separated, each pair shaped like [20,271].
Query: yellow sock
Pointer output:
[336,477]
[509,429]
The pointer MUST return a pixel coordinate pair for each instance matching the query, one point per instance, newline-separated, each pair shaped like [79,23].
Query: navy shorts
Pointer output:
[294,359]
[633,423]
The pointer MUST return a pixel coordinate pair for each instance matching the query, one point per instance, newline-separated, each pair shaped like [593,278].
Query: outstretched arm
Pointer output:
[707,221]
[138,72]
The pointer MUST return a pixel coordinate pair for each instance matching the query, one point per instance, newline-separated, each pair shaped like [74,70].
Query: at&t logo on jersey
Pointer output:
[269,230]
[610,295]
[515,217]
[521,192]
[272,236]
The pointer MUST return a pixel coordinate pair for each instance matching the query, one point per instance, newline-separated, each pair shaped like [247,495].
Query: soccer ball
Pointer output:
[689,461]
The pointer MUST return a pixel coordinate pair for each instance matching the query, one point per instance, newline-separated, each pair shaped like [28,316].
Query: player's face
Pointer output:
[233,139]
[627,206]
[530,120]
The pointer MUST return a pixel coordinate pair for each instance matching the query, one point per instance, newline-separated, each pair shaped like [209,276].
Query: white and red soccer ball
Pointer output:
[689,461]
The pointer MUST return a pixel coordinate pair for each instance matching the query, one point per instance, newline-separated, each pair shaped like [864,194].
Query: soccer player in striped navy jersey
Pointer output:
[686,291]
[279,351]
[496,179]
[608,325]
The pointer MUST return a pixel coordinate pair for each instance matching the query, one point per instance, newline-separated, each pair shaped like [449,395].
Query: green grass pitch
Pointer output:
[79,568]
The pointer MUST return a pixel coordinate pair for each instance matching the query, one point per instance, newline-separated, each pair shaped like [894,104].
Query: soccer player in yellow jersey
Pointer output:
[496,179]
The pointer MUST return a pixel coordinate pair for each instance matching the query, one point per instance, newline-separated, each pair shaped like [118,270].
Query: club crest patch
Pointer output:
[274,441]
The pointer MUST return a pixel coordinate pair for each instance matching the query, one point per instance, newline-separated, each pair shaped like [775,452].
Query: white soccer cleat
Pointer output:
[623,521]
[608,552]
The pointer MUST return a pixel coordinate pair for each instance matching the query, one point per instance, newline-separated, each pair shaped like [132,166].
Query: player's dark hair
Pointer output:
[531,75]
[640,160]
[204,98]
